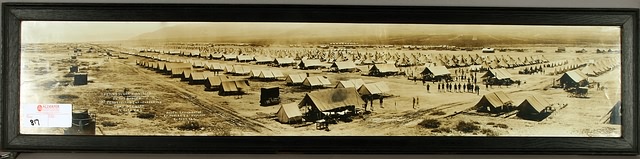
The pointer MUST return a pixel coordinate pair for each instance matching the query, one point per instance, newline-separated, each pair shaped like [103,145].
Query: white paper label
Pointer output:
[45,115]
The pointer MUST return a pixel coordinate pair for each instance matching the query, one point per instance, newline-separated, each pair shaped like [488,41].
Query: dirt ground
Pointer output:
[159,105]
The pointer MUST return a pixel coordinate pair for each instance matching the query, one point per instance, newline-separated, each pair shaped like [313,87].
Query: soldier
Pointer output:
[414,102]
[428,88]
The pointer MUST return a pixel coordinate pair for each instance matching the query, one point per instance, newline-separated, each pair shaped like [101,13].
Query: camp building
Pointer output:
[436,73]
[345,66]
[574,79]
[331,102]
[383,70]
[374,89]
[495,102]
[534,108]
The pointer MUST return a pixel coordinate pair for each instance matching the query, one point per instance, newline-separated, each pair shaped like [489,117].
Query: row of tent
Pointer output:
[401,60]
[600,67]
[532,108]
[222,83]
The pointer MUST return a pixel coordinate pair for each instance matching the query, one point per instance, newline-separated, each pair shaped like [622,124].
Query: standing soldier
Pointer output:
[477,90]
[414,102]
[439,84]
[455,88]
[464,87]
[381,106]
[428,88]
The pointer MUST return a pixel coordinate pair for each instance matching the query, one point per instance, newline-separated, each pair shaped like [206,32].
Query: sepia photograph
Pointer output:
[319,79]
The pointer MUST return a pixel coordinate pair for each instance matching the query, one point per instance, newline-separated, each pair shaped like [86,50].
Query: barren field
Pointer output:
[157,104]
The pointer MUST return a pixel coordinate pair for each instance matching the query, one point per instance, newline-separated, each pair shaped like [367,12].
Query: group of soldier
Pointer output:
[458,87]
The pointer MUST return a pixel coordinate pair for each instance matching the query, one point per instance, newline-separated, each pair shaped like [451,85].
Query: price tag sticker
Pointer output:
[45,115]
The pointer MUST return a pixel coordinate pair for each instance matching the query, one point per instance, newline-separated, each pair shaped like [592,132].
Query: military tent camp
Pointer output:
[345,66]
[534,108]
[316,81]
[331,102]
[378,88]
[214,82]
[383,70]
[295,79]
[234,87]
[574,79]
[289,113]
[436,73]
[353,83]
[495,102]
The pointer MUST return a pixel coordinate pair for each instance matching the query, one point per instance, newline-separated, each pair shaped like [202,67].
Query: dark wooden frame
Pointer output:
[14,13]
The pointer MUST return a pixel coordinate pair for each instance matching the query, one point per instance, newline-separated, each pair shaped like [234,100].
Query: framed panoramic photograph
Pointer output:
[318,79]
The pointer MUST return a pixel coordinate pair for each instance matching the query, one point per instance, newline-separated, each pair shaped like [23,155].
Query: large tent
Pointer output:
[574,79]
[310,64]
[378,88]
[289,113]
[494,102]
[214,82]
[295,79]
[234,87]
[500,74]
[534,108]
[383,70]
[240,70]
[270,74]
[199,77]
[345,66]
[284,61]
[331,100]
[244,58]
[353,83]
[316,81]
[436,73]
[262,60]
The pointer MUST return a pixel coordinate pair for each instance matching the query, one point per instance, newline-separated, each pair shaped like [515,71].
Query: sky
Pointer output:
[67,31]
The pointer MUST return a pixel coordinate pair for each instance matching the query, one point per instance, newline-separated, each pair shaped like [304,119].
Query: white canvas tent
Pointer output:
[289,113]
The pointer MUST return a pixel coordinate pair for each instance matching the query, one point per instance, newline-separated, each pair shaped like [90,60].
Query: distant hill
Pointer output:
[298,33]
